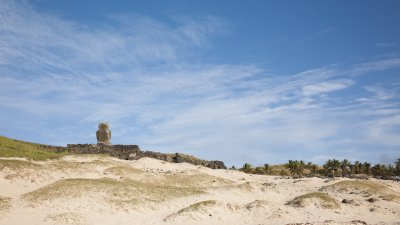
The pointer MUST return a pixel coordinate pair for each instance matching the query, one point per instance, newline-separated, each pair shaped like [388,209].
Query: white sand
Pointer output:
[223,197]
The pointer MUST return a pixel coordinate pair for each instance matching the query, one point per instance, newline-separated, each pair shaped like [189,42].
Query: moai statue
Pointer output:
[103,134]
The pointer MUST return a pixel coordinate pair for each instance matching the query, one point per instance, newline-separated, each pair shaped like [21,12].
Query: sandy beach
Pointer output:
[98,189]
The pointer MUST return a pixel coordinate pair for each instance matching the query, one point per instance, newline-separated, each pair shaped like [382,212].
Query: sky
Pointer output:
[237,81]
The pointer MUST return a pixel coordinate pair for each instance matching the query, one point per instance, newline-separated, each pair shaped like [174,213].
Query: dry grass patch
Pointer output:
[14,164]
[198,206]
[65,218]
[63,165]
[116,193]
[390,197]
[123,171]
[5,204]
[365,188]
[19,169]
[317,198]
[201,207]
[194,180]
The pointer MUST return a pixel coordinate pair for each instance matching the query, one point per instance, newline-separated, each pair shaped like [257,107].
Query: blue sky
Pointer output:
[256,81]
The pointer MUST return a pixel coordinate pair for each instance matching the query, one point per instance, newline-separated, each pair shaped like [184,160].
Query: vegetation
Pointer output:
[31,151]
[323,199]
[4,203]
[296,167]
[365,187]
[118,193]
[331,168]
[197,206]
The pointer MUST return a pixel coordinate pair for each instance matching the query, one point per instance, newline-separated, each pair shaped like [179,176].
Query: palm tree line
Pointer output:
[331,168]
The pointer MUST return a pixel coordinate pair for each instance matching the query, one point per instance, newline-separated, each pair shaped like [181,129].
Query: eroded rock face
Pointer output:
[103,134]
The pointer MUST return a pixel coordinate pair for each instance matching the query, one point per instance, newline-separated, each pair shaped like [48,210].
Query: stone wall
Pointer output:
[133,152]
[119,151]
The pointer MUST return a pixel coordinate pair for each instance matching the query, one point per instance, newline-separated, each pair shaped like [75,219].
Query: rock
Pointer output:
[216,165]
[348,201]
[103,134]
[178,159]
[372,200]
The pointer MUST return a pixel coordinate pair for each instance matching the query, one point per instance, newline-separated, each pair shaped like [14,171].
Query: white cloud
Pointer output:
[325,87]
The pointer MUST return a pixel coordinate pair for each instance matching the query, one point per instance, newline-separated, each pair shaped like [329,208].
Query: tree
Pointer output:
[345,166]
[397,167]
[313,169]
[247,168]
[379,170]
[391,170]
[356,167]
[367,168]
[259,170]
[267,169]
[295,167]
[332,167]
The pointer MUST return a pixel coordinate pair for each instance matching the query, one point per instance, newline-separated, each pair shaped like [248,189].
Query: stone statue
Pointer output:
[103,134]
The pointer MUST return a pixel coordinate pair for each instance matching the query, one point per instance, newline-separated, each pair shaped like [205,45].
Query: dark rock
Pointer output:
[372,200]
[216,165]
[178,159]
[359,221]
[348,201]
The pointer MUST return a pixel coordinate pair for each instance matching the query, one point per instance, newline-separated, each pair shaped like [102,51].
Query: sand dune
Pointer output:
[97,189]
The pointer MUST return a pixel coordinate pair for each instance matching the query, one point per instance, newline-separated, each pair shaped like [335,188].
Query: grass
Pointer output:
[19,169]
[198,206]
[31,151]
[323,199]
[195,180]
[63,165]
[123,171]
[366,188]
[64,218]
[4,203]
[15,165]
[192,208]
[117,193]
[390,197]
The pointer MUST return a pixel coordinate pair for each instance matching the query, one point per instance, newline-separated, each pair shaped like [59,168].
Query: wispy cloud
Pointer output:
[325,87]
[138,74]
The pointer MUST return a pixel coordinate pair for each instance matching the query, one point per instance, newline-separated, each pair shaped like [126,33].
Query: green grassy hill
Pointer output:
[14,148]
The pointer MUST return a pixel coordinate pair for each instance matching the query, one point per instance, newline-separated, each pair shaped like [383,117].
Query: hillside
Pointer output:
[15,148]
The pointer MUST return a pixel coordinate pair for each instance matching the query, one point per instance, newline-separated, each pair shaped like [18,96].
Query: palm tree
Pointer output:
[345,166]
[296,167]
[367,168]
[267,169]
[397,167]
[391,170]
[332,167]
[247,168]
[356,167]
[313,169]
[259,170]
[379,170]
